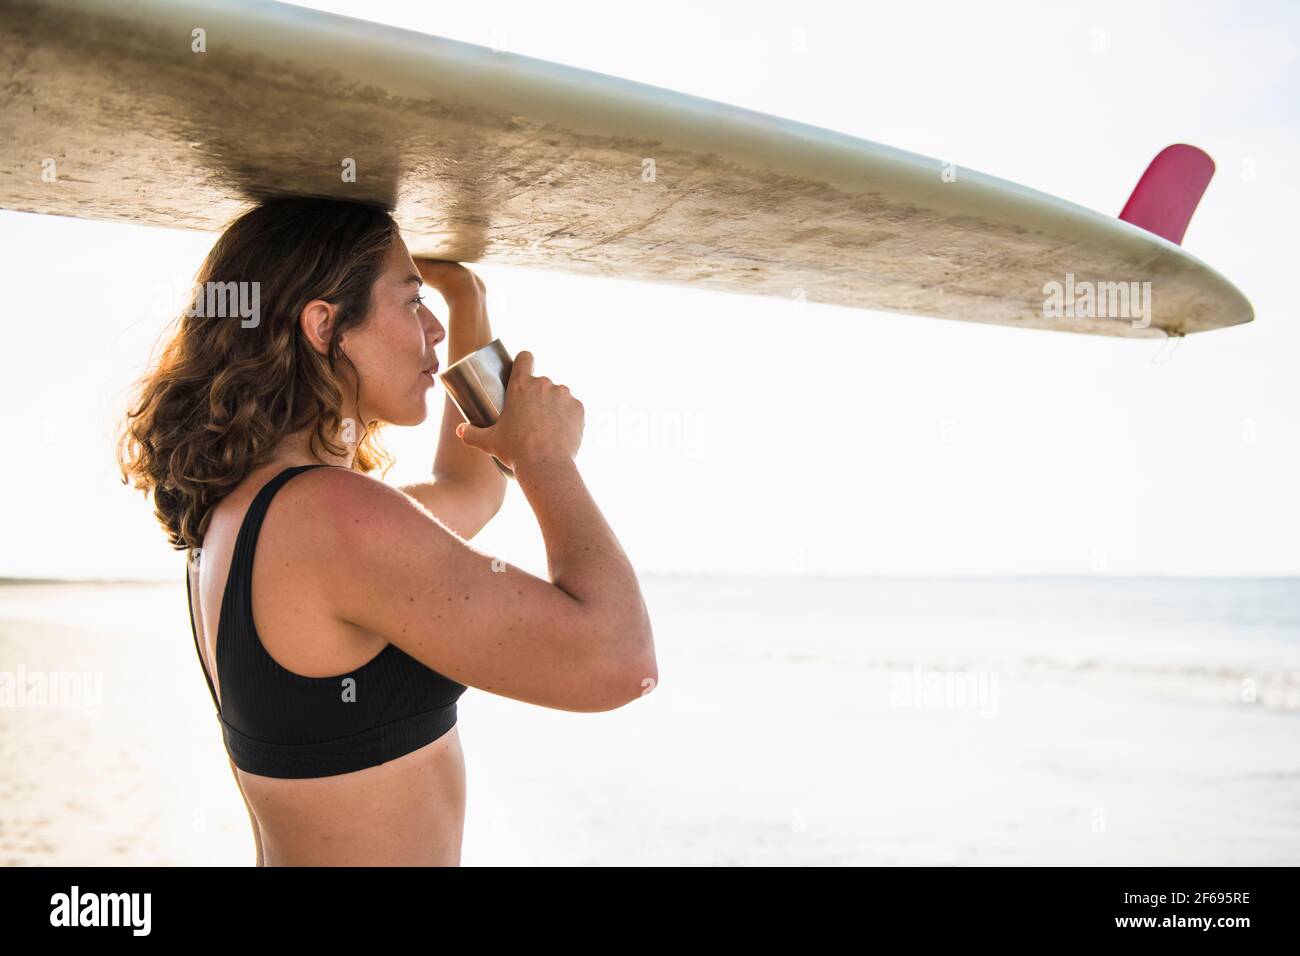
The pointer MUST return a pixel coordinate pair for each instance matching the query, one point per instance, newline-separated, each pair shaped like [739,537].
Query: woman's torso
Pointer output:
[409,810]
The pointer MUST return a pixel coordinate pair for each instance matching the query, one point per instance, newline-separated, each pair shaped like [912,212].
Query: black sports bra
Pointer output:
[277,723]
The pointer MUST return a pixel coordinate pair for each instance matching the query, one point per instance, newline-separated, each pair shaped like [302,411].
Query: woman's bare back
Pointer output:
[408,811]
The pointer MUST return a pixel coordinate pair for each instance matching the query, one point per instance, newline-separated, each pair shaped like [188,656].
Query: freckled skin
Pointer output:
[407,812]
[336,609]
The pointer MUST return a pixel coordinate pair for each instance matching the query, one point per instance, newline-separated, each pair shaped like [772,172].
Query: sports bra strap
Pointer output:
[241,565]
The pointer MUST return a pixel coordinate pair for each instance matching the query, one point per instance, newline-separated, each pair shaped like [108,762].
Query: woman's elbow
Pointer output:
[628,678]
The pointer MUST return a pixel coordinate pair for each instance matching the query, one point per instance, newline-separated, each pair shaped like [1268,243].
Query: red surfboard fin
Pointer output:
[1167,194]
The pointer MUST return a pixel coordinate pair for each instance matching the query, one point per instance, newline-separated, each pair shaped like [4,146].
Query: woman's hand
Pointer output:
[540,421]
[451,279]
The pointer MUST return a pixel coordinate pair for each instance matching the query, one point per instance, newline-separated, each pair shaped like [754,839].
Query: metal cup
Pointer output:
[477,384]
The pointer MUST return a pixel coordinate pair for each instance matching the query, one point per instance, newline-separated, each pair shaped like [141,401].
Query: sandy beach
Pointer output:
[798,721]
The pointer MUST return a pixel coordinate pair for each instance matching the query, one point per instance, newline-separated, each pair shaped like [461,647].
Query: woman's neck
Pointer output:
[295,449]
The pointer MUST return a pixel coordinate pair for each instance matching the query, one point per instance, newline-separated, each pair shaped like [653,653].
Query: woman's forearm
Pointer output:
[468,330]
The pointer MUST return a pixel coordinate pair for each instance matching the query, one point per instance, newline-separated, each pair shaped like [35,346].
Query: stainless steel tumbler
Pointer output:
[477,384]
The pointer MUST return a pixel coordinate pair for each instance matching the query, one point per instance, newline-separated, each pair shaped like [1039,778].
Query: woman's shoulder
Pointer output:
[342,530]
[336,503]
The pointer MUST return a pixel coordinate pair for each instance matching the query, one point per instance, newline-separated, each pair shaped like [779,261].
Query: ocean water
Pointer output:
[797,720]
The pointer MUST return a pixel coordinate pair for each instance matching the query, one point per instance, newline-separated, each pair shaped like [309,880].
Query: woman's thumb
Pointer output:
[468,433]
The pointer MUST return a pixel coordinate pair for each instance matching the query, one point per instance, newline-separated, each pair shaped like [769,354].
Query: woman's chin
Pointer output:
[415,415]
[407,421]
[413,411]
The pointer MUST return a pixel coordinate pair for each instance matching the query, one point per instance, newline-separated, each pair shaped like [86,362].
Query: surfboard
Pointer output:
[181,113]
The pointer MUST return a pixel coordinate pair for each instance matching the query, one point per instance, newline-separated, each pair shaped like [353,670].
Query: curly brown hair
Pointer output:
[217,402]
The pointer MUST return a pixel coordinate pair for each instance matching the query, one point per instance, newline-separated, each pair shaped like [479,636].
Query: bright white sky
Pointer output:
[943,447]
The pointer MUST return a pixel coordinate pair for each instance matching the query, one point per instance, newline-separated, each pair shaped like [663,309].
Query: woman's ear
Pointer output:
[317,323]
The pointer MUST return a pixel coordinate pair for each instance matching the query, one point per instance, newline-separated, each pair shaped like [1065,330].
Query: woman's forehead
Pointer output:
[399,267]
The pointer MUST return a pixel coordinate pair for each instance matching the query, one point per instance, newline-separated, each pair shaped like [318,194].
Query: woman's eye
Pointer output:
[418,299]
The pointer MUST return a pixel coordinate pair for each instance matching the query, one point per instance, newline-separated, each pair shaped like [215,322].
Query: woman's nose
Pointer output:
[433,328]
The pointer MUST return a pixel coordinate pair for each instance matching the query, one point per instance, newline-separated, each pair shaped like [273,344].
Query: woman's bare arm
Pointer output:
[580,642]
[466,490]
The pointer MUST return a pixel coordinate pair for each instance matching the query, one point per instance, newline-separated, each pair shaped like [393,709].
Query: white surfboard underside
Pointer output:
[490,156]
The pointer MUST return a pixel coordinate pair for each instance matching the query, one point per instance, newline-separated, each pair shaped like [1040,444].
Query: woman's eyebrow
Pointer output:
[413,280]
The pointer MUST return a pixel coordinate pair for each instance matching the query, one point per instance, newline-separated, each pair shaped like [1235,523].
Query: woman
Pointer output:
[337,618]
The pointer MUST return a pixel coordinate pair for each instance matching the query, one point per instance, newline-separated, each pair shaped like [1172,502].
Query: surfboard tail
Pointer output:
[1168,192]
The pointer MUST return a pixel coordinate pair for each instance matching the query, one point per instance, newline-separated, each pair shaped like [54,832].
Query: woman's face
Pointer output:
[393,348]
